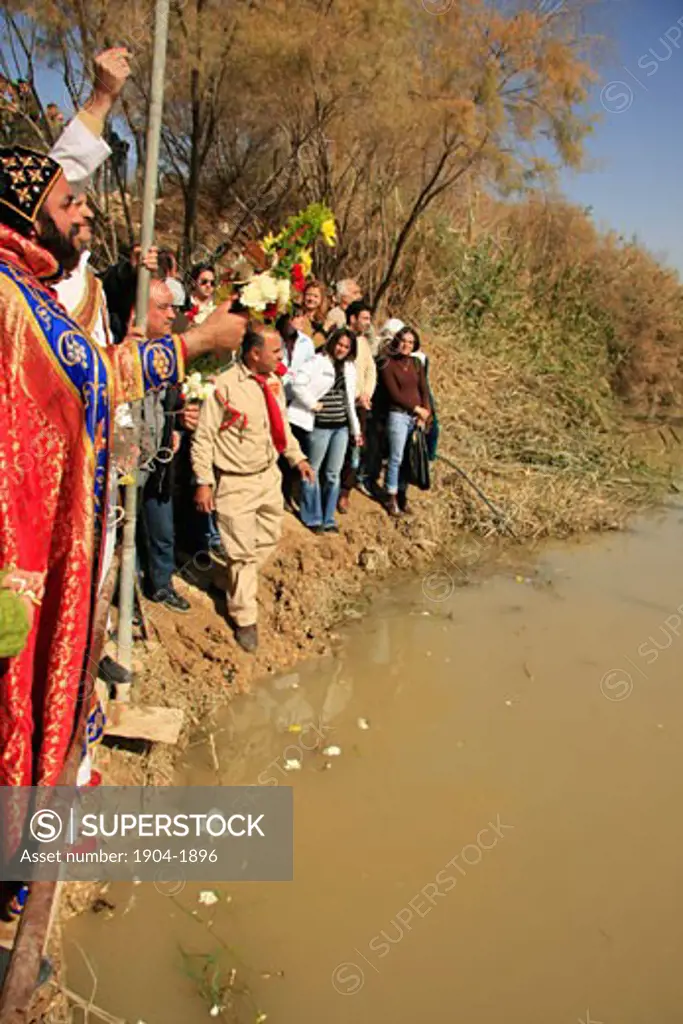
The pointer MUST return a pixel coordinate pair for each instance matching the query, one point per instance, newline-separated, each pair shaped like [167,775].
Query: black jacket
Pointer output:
[160,483]
[120,283]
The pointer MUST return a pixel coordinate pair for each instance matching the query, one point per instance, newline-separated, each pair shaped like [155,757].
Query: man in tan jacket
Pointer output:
[359,318]
[242,430]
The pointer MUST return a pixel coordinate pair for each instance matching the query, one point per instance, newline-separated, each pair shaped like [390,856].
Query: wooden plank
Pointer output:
[8,933]
[134,722]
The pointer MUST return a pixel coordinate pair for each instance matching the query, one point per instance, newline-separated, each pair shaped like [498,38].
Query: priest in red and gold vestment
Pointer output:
[58,393]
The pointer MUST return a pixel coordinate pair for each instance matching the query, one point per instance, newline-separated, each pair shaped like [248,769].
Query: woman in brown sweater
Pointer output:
[405,384]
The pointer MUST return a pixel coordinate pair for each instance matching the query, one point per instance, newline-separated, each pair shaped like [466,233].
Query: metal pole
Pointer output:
[127,587]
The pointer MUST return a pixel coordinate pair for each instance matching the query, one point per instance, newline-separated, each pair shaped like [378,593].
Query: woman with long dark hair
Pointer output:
[404,381]
[324,405]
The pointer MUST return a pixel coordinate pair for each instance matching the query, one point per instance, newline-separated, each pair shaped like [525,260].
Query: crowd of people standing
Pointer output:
[353,395]
[302,412]
[351,398]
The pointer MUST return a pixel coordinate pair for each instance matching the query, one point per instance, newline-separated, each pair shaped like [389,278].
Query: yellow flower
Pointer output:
[269,242]
[329,232]
[306,261]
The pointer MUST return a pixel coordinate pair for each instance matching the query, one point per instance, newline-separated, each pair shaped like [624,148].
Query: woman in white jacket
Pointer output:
[324,405]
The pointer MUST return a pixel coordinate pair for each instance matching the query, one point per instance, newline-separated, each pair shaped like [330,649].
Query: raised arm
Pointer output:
[141,366]
[80,149]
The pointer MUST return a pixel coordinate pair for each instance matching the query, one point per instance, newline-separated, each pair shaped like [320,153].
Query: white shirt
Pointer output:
[71,292]
[205,309]
[303,350]
[311,382]
[79,152]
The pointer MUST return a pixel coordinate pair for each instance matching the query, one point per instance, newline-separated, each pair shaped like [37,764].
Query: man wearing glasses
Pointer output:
[203,289]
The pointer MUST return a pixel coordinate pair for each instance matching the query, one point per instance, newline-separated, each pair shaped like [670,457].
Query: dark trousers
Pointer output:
[156,527]
[375,449]
[350,473]
[290,477]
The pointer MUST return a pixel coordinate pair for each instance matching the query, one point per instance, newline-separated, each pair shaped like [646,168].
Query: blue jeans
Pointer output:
[319,500]
[158,532]
[399,428]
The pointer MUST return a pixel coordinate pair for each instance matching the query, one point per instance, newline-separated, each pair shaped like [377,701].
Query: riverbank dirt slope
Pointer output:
[550,474]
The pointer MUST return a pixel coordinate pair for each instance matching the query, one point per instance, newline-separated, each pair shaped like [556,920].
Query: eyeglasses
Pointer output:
[208,280]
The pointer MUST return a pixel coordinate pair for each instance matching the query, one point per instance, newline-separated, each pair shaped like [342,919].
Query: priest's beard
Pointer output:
[63,247]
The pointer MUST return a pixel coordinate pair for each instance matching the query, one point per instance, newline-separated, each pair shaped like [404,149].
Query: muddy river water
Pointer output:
[499,839]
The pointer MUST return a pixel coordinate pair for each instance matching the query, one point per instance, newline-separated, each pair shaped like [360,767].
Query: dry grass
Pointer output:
[516,436]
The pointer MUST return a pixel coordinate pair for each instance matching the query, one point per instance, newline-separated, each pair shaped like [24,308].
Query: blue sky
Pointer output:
[635,184]
[634,175]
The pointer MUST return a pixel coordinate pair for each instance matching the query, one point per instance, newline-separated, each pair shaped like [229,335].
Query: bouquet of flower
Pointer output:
[196,389]
[283,262]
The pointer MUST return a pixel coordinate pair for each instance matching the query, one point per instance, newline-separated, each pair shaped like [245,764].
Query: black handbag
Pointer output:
[416,460]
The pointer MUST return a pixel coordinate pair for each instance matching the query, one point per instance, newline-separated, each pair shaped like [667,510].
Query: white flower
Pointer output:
[269,288]
[284,292]
[208,897]
[194,388]
[252,295]
[292,764]
[332,751]
[216,1011]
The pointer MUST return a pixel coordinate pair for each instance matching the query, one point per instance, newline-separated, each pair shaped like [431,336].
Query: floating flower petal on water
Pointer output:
[208,897]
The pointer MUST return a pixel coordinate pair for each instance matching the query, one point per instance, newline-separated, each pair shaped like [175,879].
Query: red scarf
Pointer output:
[277,424]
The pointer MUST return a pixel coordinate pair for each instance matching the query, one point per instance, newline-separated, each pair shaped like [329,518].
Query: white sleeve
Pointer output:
[302,391]
[79,152]
[351,387]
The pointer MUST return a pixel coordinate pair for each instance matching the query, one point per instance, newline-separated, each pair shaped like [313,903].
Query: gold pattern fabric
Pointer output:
[53,474]
[26,178]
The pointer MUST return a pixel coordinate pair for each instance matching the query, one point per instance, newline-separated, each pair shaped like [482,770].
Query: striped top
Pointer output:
[334,412]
